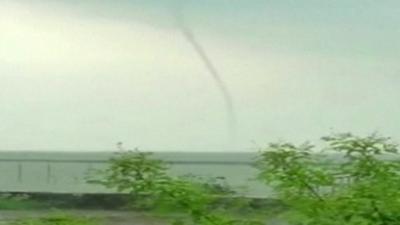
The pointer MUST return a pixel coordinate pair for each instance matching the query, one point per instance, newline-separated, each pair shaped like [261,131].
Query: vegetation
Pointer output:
[146,180]
[62,201]
[19,202]
[56,220]
[136,174]
[356,184]
[349,180]
[360,189]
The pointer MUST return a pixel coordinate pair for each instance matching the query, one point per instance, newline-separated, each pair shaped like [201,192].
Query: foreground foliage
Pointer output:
[357,183]
[19,202]
[56,220]
[350,180]
[147,180]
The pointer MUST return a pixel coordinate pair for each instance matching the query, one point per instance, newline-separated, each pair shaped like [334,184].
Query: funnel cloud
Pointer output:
[189,35]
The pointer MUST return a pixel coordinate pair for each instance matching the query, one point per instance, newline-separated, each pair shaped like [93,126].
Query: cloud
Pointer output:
[75,80]
[38,38]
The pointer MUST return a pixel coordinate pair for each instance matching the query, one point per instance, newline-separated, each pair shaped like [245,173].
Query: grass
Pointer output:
[56,219]
[20,202]
[240,208]
[35,201]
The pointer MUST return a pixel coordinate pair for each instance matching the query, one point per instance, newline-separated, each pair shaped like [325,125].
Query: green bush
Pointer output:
[135,173]
[350,181]
[356,184]
[146,180]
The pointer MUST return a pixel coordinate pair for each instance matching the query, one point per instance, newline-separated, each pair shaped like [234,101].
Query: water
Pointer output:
[61,172]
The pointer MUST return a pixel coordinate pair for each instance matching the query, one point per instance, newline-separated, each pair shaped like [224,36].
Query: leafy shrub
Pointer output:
[357,184]
[215,185]
[135,173]
[145,178]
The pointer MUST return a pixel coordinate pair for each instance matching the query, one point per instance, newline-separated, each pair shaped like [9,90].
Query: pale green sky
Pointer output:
[83,75]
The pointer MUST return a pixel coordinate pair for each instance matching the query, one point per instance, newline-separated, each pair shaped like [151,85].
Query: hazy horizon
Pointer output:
[84,75]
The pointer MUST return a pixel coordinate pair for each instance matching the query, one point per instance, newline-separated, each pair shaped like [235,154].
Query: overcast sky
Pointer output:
[84,75]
